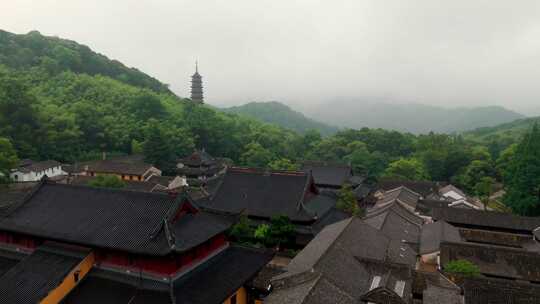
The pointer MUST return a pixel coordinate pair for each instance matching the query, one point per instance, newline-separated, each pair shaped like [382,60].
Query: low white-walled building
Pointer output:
[31,171]
[453,193]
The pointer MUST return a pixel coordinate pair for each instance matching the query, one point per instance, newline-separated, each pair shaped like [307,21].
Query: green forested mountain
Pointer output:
[56,55]
[414,118]
[279,114]
[507,132]
[69,114]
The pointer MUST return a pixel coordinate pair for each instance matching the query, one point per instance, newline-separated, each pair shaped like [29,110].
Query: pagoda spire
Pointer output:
[196,86]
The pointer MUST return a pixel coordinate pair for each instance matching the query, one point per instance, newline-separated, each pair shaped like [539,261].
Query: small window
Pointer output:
[233,299]
[76,276]
[16,177]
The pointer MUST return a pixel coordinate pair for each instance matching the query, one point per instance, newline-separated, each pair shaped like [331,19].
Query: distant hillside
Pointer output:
[414,118]
[510,132]
[57,55]
[279,114]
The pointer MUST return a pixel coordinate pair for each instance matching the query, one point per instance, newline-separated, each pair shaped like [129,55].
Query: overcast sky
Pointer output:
[449,53]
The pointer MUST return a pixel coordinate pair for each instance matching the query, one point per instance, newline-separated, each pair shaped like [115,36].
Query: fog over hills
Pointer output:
[414,118]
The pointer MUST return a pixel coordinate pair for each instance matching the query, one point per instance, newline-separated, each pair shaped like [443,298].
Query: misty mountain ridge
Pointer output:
[414,118]
[277,113]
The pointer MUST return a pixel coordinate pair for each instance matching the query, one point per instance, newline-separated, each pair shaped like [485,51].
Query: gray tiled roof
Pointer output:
[433,234]
[437,295]
[133,165]
[402,194]
[327,174]
[424,188]
[481,291]
[31,280]
[194,229]
[486,219]
[37,166]
[123,220]
[262,193]
[396,221]
[334,257]
[495,260]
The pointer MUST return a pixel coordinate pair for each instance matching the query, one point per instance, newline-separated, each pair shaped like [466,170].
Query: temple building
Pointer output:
[76,244]
[196,86]
[201,166]
[263,194]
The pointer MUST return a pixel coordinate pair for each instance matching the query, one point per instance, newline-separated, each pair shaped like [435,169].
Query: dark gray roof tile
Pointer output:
[327,174]
[262,193]
[486,219]
[34,277]
[433,234]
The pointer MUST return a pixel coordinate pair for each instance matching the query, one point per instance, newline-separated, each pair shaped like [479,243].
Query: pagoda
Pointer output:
[196,86]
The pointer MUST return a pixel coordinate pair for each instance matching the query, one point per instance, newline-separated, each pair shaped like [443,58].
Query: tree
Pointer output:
[107,181]
[406,169]
[480,153]
[463,268]
[18,116]
[136,147]
[283,164]
[329,149]
[8,159]
[262,233]
[347,201]
[280,231]
[158,149]
[364,162]
[504,162]
[473,173]
[147,105]
[256,156]
[523,187]
[484,189]
[242,231]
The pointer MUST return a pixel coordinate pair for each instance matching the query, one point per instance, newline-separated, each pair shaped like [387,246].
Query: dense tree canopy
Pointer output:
[8,158]
[406,169]
[523,186]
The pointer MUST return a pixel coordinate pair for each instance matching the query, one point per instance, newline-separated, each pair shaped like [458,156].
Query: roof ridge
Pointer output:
[408,211]
[351,219]
[257,170]
[12,208]
[405,188]
[331,282]
[319,276]
[300,204]
[325,164]
[110,189]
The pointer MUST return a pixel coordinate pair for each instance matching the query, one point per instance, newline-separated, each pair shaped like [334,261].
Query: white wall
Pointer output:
[453,194]
[18,176]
